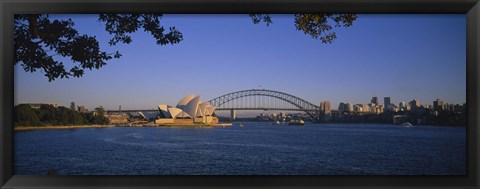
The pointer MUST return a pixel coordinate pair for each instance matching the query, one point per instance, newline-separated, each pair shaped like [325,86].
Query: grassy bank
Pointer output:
[28,128]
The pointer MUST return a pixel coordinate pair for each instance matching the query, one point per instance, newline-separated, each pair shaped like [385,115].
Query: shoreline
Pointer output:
[50,127]
[29,128]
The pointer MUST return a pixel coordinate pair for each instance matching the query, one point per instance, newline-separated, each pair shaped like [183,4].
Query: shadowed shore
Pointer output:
[28,128]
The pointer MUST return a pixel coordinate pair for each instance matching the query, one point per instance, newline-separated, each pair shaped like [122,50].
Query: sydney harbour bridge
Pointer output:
[255,99]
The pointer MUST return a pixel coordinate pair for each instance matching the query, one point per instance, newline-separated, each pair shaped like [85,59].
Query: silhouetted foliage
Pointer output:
[25,115]
[38,39]
[99,117]
[318,26]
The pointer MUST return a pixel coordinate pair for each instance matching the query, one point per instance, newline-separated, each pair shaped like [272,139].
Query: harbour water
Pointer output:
[254,149]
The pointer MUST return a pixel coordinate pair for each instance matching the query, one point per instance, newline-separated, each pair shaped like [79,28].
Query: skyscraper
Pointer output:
[325,110]
[341,107]
[402,106]
[374,100]
[325,107]
[438,105]
[386,102]
[414,104]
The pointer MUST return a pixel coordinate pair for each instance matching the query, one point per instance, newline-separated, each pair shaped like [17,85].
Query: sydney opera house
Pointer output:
[188,111]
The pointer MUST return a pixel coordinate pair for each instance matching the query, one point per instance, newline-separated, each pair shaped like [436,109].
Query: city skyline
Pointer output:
[404,57]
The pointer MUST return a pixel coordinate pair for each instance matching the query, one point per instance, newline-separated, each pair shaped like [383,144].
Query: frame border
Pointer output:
[471,8]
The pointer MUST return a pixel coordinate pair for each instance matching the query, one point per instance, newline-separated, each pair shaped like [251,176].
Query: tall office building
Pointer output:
[325,107]
[414,104]
[387,103]
[325,110]
[402,106]
[374,100]
[341,107]
[438,105]
[349,107]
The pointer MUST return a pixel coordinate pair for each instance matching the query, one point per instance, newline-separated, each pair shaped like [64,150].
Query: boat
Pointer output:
[296,122]
[407,124]
[241,125]
[276,123]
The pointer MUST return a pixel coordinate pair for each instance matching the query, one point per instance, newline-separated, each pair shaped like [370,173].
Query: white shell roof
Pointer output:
[192,106]
[189,106]
[185,101]
[164,109]
[202,109]
[210,110]
[174,112]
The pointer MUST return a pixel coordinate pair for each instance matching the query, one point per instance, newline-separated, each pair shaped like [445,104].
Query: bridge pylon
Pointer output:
[233,114]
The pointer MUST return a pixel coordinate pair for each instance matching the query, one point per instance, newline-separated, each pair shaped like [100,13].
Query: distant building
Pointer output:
[189,110]
[325,111]
[118,119]
[387,103]
[38,105]
[341,107]
[325,107]
[357,108]
[82,109]
[438,105]
[349,107]
[414,104]
[380,109]
[374,101]
[402,106]
[365,107]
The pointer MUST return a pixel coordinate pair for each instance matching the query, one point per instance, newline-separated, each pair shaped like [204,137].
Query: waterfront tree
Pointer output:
[40,41]
[64,116]
[47,114]
[99,117]
[24,115]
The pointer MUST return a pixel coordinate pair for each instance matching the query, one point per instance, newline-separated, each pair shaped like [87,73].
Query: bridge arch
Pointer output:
[299,104]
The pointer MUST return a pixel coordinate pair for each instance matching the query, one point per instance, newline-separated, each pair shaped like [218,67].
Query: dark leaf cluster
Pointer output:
[121,25]
[38,39]
[25,115]
[257,18]
[319,26]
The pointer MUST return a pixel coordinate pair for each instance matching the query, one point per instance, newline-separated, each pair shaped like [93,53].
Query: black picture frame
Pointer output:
[471,8]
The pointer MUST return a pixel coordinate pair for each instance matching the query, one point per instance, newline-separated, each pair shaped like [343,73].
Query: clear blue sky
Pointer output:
[401,56]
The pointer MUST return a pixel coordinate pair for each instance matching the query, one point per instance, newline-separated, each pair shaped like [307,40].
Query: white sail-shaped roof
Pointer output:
[183,114]
[164,109]
[210,110]
[200,113]
[202,109]
[174,112]
[192,106]
[185,100]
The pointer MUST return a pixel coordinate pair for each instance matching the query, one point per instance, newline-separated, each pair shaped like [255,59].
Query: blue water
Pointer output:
[255,149]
